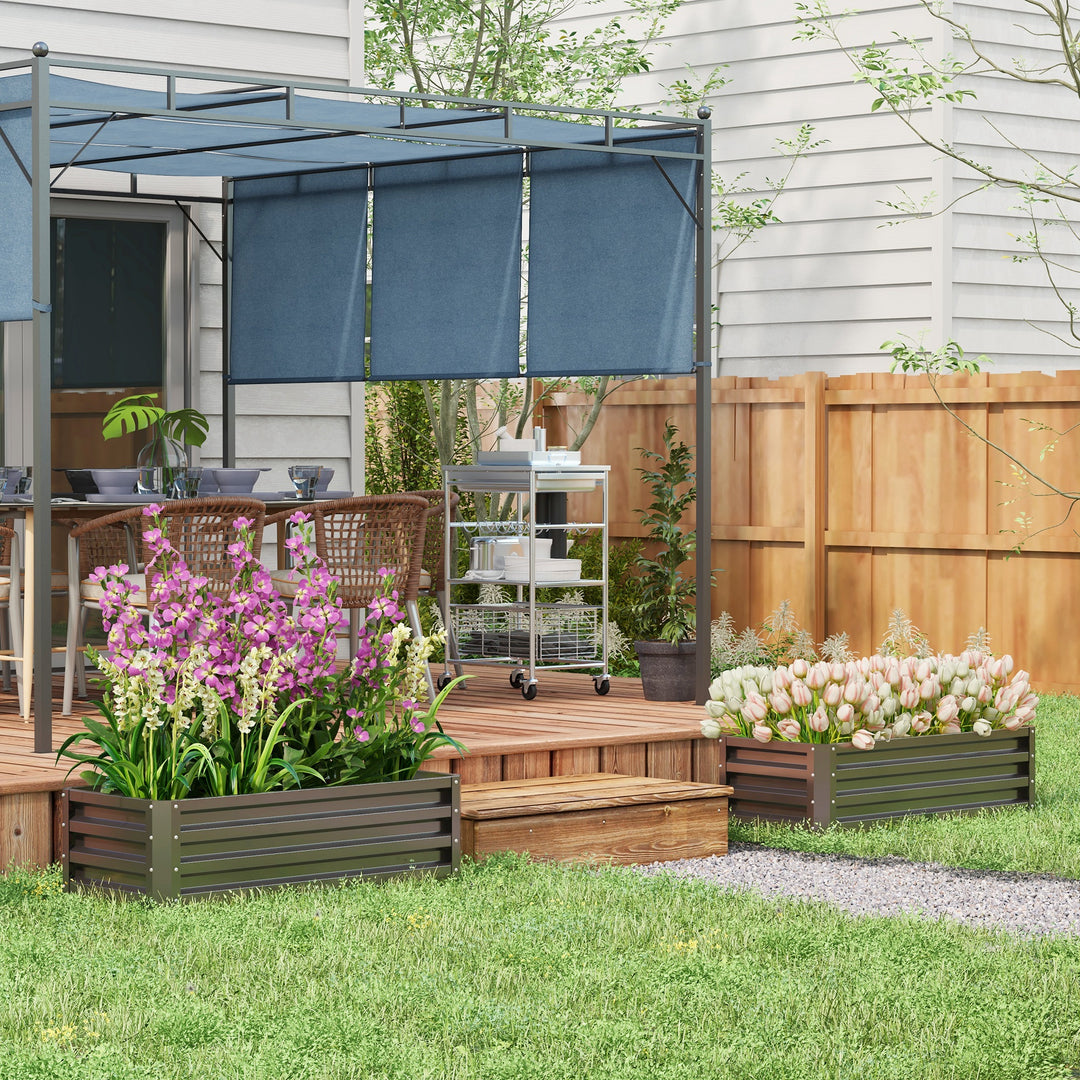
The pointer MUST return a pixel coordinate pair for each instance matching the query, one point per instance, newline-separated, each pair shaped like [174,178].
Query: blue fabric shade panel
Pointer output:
[611,262]
[299,267]
[446,270]
[16,205]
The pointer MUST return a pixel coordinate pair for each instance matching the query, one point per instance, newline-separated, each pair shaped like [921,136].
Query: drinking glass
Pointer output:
[304,478]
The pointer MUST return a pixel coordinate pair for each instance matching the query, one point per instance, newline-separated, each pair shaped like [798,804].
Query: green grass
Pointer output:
[532,972]
[519,971]
[1044,838]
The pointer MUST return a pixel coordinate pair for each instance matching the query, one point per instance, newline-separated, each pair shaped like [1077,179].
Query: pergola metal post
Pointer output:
[41,397]
[703,401]
[228,388]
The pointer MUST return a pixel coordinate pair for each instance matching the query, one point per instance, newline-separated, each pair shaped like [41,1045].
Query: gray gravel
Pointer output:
[1024,904]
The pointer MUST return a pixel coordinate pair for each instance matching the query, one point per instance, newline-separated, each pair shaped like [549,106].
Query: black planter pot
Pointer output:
[667,671]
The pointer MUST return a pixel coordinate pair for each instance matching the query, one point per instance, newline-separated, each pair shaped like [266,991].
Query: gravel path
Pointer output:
[1022,903]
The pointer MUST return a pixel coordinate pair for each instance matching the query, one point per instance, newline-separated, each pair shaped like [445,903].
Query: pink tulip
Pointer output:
[800,694]
[877,663]
[832,695]
[1025,714]
[997,669]
[909,696]
[845,713]
[1006,664]
[951,728]
[781,679]
[985,693]
[763,733]
[922,670]
[862,740]
[754,709]
[800,668]
[852,691]
[789,729]
[1014,723]
[892,673]
[817,676]
[819,719]
[920,722]
[780,702]
[836,672]
[948,709]
[928,688]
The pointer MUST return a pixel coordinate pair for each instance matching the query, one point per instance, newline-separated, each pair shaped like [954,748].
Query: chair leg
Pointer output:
[451,638]
[14,626]
[5,646]
[74,633]
[413,611]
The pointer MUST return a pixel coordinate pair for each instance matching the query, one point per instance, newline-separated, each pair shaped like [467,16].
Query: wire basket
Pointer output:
[565,633]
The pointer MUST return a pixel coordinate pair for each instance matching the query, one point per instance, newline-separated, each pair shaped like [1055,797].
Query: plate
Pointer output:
[483,575]
[120,500]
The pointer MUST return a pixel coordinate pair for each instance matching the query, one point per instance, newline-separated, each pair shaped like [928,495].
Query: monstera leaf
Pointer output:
[138,412]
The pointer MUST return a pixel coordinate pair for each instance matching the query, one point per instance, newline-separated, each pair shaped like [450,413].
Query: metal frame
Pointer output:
[284,90]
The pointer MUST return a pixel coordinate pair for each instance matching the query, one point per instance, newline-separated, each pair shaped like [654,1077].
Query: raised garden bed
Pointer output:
[827,783]
[173,849]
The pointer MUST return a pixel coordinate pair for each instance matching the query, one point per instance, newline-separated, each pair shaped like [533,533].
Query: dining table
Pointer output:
[74,509]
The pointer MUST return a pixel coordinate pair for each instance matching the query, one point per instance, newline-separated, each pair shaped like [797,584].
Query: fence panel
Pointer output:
[856,495]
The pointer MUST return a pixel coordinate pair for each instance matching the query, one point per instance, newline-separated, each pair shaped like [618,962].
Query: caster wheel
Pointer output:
[602,686]
[528,692]
[443,681]
[516,679]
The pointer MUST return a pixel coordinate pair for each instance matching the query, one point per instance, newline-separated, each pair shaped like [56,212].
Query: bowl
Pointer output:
[115,481]
[235,481]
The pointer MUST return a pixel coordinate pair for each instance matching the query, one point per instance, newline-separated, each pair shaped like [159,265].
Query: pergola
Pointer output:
[616,233]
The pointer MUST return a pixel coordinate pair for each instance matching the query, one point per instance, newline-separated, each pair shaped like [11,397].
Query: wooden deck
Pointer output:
[567,729]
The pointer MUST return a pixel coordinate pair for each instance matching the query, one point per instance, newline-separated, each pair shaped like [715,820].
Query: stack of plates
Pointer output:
[547,570]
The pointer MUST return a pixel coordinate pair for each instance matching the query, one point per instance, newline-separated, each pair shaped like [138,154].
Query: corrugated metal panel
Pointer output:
[194,847]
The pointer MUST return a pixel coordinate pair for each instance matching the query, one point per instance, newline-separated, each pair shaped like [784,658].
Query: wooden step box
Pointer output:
[595,818]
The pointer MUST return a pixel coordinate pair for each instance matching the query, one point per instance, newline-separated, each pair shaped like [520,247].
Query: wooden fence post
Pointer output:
[815,487]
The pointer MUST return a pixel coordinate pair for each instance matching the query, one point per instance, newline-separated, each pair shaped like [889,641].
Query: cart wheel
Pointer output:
[443,681]
[528,691]
[602,686]
[517,678]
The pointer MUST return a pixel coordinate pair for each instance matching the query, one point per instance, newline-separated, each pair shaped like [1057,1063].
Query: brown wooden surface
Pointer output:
[595,818]
[852,496]
[563,794]
[567,728]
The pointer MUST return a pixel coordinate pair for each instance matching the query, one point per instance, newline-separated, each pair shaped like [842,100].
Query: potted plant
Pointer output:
[876,738]
[172,431]
[665,611]
[233,753]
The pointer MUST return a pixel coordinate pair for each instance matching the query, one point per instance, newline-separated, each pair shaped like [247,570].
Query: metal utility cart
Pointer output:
[530,634]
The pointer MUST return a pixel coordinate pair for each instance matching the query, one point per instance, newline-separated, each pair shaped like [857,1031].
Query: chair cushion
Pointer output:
[287,582]
[93,590]
[5,588]
[425,580]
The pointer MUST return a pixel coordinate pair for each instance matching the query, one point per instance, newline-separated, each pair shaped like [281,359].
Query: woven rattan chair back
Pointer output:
[433,562]
[358,537]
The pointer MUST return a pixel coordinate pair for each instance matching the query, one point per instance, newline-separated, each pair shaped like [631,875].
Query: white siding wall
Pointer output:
[994,298]
[823,289]
[303,39]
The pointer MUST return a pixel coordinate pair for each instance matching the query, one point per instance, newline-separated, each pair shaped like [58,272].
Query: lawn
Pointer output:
[515,970]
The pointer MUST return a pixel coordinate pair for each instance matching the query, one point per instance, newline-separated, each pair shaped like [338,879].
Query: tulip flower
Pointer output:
[800,694]
[902,724]
[790,729]
[862,740]
[763,733]
[754,709]
[780,702]
[836,672]
[981,727]
[928,689]
[800,668]
[819,719]
[968,704]
[909,696]
[922,670]
[852,691]
[832,695]
[951,728]
[817,676]
[781,678]
[947,709]
[920,722]
[845,713]
[710,728]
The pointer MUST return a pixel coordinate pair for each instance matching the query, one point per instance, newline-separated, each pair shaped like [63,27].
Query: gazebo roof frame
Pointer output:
[415,137]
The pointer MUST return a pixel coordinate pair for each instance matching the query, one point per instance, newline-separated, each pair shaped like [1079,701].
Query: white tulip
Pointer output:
[981,727]
[710,729]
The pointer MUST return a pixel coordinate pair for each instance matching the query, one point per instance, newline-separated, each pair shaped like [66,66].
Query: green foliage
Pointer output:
[399,444]
[138,413]
[508,51]
[666,608]
[624,585]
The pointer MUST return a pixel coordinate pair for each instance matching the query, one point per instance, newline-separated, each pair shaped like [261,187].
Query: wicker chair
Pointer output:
[201,530]
[356,537]
[11,602]
[433,568]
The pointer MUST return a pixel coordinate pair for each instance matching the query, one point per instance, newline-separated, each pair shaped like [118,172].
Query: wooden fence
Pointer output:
[853,496]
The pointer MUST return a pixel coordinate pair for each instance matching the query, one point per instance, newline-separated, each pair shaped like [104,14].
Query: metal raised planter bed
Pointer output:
[823,784]
[175,849]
